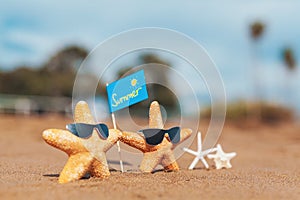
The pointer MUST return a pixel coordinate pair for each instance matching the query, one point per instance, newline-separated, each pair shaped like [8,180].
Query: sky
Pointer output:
[32,31]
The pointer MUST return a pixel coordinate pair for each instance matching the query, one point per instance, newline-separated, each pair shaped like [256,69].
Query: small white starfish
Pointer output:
[222,159]
[199,153]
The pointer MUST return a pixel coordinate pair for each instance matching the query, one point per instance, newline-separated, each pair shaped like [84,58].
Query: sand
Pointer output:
[267,167]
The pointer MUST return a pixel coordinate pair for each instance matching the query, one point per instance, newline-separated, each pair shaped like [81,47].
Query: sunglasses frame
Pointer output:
[85,131]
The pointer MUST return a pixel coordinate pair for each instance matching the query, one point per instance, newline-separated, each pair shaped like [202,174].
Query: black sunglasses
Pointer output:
[83,130]
[155,136]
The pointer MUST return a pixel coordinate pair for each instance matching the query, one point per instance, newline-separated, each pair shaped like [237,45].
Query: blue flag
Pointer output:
[127,91]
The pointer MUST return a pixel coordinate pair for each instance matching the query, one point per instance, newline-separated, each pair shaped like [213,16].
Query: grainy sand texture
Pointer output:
[266,167]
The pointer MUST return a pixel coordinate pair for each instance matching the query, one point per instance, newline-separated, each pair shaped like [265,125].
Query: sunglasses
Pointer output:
[83,130]
[155,136]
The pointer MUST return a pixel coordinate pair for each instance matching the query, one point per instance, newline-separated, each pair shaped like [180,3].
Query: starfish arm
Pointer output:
[231,155]
[211,156]
[114,136]
[76,167]
[219,148]
[100,169]
[82,113]
[169,162]
[64,140]
[134,140]
[185,134]
[150,161]
[199,140]
[172,167]
[155,118]
[228,164]
[190,151]
[204,163]
[194,163]
[207,151]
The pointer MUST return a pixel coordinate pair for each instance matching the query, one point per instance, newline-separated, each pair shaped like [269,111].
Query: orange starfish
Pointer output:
[85,155]
[158,154]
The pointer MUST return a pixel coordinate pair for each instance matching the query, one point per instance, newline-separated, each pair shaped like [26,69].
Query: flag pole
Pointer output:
[118,142]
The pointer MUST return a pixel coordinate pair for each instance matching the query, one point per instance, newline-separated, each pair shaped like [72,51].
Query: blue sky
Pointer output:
[32,31]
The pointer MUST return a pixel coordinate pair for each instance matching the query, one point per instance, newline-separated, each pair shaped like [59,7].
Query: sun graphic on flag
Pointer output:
[133,82]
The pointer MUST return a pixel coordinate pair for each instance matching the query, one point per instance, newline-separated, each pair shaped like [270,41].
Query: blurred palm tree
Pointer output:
[289,60]
[257,30]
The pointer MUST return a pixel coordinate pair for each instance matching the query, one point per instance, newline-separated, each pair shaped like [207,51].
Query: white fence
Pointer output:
[23,104]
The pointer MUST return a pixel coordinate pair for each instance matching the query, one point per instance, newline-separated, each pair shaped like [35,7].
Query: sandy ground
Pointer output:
[267,167]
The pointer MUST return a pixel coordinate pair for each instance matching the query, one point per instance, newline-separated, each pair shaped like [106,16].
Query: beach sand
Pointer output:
[267,167]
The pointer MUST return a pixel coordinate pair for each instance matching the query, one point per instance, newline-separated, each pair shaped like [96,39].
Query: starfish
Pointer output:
[158,154]
[221,159]
[85,155]
[199,153]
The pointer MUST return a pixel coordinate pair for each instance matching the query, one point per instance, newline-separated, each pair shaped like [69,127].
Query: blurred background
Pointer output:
[255,45]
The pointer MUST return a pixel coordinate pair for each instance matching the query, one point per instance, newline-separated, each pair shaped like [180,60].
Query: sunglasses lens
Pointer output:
[81,130]
[84,130]
[103,130]
[153,136]
[72,129]
[174,134]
